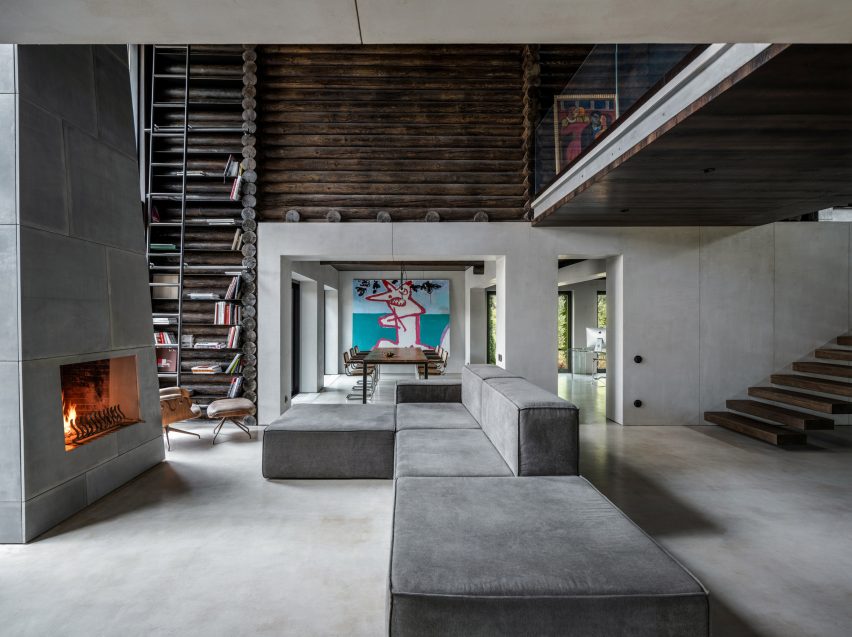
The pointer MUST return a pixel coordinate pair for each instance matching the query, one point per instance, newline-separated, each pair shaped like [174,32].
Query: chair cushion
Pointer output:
[531,556]
[447,452]
[472,378]
[230,408]
[433,416]
[536,432]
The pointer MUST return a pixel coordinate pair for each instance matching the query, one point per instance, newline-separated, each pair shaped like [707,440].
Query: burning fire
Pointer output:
[69,414]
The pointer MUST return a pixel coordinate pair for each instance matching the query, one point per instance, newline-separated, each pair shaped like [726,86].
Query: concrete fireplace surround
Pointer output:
[73,277]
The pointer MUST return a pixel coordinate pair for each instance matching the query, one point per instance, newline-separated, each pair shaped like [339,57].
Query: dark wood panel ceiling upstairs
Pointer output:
[400,129]
[775,145]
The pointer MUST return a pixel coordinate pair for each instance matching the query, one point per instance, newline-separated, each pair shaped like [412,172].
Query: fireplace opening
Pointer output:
[98,398]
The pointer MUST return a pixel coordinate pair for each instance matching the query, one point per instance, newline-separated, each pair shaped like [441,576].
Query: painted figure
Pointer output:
[404,315]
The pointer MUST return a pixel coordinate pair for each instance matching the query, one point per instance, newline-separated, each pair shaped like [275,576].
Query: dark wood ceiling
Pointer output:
[775,145]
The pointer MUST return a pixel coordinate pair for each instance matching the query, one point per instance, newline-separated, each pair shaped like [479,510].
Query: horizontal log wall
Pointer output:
[397,129]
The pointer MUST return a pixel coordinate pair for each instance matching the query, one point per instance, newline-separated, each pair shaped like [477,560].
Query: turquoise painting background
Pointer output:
[366,331]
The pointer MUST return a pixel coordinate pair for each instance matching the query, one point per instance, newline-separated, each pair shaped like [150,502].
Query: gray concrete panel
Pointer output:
[60,79]
[8,170]
[42,169]
[64,297]
[10,434]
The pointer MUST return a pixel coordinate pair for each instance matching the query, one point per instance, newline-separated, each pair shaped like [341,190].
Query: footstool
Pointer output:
[331,442]
[544,556]
[233,409]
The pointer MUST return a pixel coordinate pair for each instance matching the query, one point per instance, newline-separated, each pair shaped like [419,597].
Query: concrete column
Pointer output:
[331,338]
[526,317]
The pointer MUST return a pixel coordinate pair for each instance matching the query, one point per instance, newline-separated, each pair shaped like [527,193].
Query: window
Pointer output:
[491,326]
[563,331]
[601,309]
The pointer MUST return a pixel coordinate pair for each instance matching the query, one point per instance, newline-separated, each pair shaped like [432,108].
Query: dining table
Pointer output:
[392,356]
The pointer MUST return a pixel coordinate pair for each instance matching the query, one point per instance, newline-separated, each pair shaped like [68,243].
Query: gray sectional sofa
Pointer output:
[494,531]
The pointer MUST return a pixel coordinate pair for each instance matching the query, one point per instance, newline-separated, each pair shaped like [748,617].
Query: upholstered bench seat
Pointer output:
[531,556]
[434,416]
[447,452]
[331,441]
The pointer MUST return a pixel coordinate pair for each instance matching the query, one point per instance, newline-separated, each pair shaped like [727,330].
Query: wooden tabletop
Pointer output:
[401,355]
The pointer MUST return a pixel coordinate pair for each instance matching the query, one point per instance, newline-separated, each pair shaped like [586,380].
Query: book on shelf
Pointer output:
[203,296]
[209,345]
[233,291]
[206,369]
[187,340]
[232,168]
[237,186]
[165,320]
[164,338]
[168,288]
[164,247]
[225,313]
[235,364]
[237,243]
[236,387]
[155,215]
[234,337]
[166,361]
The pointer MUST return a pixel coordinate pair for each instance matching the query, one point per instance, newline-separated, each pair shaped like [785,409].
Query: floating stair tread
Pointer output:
[781,415]
[814,384]
[834,354]
[756,429]
[807,401]
[825,369]
[845,340]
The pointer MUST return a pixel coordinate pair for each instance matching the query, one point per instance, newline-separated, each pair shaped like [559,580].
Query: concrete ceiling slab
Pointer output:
[179,22]
[424,21]
[604,21]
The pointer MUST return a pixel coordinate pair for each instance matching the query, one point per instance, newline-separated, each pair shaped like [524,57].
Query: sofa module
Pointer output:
[331,442]
[543,556]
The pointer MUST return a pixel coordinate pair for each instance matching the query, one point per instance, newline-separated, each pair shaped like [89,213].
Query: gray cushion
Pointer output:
[472,379]
[434,416]
[536,432]
[531,556]
[428,391]
[331,441]
[447,452]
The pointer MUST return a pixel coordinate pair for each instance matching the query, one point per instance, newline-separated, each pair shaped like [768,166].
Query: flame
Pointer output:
[69,414]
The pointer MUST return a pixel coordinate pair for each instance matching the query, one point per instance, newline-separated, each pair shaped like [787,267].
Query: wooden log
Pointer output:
[385,129]
[402,188]
[369,175]
[387,166]
[273,141]
[405,106]
[271,58]
[392,201]
[310,213]
[420,86]
[356,70]
[512,118]
[396,154]
[465,96]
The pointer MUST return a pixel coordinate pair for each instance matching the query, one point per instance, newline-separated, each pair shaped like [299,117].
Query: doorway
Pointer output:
[565,309]
[295,371]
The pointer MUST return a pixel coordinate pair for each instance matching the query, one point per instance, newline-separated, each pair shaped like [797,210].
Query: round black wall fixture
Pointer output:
[637,403]
[637,359]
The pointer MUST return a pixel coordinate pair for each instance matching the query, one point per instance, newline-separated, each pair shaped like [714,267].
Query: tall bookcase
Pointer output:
[200,112]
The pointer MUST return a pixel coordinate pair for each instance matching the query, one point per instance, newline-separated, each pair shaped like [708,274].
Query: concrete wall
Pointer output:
[689,300]
[82,280]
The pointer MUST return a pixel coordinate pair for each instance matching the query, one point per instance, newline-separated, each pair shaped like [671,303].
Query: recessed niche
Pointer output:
[98,398]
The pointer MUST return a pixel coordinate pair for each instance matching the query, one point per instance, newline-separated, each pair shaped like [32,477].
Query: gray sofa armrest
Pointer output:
[428,391]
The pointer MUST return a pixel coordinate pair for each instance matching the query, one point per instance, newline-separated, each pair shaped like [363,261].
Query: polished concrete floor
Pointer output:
[202,545]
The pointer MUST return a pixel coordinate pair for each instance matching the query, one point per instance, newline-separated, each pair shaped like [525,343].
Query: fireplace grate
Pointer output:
[87,427]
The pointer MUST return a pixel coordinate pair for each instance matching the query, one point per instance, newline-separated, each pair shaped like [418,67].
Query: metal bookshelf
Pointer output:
[200,109]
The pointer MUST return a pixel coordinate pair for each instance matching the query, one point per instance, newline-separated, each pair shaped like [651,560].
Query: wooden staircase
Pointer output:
[771,418]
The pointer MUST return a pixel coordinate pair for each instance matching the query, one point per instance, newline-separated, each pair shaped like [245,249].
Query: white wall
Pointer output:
[456,345]
[332,331]
[679,294]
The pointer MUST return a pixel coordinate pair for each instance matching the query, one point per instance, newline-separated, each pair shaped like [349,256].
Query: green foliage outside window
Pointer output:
[491,309]
[563,330]
[601,309]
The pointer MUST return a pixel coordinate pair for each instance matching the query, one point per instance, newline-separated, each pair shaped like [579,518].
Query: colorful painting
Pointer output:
[578,120]
[394,313]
